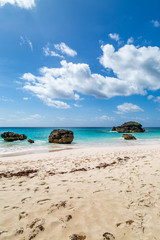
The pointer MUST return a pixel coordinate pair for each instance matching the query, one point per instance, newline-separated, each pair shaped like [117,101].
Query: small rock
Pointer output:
[129,137]
[30,141]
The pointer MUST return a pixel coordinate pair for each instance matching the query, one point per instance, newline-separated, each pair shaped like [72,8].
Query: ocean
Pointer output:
[83,137]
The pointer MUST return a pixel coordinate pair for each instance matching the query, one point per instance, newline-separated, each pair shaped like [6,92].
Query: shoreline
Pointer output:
[49,149]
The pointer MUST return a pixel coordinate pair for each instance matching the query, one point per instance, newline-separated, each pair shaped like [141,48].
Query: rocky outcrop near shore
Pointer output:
[129,137]
[129,127]
[10,136]
[61,136]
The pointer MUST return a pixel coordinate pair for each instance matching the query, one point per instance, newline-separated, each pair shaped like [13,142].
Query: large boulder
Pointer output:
[61,136]
[129,137]
[129,127]
[10,136]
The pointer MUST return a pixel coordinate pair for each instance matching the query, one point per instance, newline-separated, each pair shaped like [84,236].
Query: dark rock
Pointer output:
[10,136]
[129,127]
[30,141]
[129,137]
[61,136]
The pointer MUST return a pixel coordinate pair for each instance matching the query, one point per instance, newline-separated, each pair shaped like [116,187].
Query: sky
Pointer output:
[79,63]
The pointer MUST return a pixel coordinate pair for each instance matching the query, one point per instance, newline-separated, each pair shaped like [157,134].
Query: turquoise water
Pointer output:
[82,137]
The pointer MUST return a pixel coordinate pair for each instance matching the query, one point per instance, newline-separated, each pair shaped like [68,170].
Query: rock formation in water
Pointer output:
[129,137]
[61,136]
[129,127]
[30,141]
[10,136]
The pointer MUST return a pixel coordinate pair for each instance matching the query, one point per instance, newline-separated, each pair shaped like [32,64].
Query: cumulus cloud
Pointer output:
[114,36]
[20,3]
[128,107]
[51,53]
[136,70]
[63,48]
[156,23]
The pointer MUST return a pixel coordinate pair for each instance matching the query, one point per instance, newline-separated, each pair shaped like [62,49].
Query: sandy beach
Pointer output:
[91,193]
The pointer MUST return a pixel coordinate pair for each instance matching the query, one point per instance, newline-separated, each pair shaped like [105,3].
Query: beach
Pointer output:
[88,193]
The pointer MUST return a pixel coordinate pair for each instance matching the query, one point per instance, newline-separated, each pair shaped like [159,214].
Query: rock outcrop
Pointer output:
[129,137]
[129,127]
[30,141]
[61,136]
[10,136]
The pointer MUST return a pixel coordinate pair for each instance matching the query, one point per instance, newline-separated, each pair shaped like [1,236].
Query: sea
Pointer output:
[83,137]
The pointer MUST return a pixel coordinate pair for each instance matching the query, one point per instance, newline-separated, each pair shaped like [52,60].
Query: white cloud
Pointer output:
[63,48]
[26,98]
[20,3]
[150,97]
[26,41]
[130,40]
[6,99]
[105,118]
[51,53]
[33,117]
[54,103]
[136,71]
[114,36]
[157,99]
[156,23]
[128,107]
[77,105]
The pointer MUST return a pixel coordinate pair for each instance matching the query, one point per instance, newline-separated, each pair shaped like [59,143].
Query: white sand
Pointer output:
[114,190]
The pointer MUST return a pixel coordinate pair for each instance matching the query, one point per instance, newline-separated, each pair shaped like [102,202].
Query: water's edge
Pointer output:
[83,137]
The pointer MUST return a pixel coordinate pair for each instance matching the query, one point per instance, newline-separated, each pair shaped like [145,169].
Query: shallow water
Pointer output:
[82,137]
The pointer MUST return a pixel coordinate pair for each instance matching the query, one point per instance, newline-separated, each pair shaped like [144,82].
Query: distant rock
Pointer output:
[129,137]
[30,141]
[61,136]
[10,136]
[129,127]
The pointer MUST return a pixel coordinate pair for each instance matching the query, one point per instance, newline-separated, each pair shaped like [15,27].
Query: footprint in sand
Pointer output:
[19,231]
[36,226]
[24,199]
[77,237]
[22,215]
[43,201]
[108,236]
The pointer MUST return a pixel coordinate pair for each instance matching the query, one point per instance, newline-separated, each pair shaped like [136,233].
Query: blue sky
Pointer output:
[79,63]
